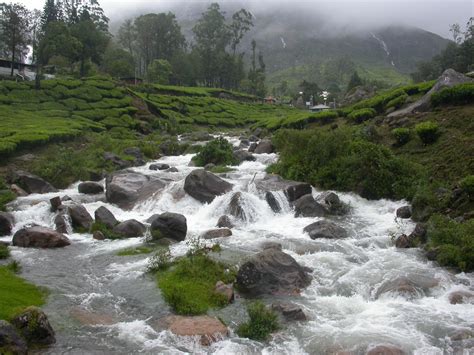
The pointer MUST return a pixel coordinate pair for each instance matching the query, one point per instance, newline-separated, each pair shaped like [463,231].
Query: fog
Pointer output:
[348,15]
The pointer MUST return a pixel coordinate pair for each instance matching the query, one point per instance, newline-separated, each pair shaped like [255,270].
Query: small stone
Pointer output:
[217,233]
[226,290]
[98,235]
[159,166]
[225,222]
[404,212]
[290,312]
[55,203]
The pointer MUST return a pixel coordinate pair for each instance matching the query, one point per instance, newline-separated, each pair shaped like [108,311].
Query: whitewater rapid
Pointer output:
[103,303]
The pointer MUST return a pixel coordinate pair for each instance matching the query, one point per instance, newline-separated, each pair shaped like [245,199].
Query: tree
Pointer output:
[309,89]
[35,31]
[51,13]
[14,31]
[354,81]
[455,29]
[127,36]
[159,71]
[256,76]
[117,62]
[241,24]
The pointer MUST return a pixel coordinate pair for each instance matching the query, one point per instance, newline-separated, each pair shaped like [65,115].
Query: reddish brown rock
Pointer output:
[385,350]
[39,237]
[208,328]
[458,297]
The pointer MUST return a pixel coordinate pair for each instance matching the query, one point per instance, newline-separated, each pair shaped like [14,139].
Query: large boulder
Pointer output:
[208,329]
[404,212]
[293,189]
[225,222]
[80,218]
[126,188]
[333,203]
[272,202]
[104,216]
[32,184]
[216,233]
[169,225]
[10,341]
[306,206]
[449,78]
[205,186]
[243,155]
[34,326]
[325,229]
[272,272]
[265,146]
[39,237]
[130,229]
[6,223]
[90,188]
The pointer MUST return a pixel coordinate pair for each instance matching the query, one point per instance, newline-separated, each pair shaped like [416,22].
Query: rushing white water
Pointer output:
[103,303]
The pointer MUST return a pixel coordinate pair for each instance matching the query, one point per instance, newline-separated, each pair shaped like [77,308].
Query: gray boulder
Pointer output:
[306,206]
[90,188]
[332,203]
[265,146]
[125,188]
[289,311]
[80,218]
[55,202]
[32,184]
[34,326]
[169,225]
[39,237]
[159,166]
[130,229]
[404,212]
[104,216]
[293,189]
[225,222]
[252,147]
[243,155]
[205,186]
[272,272]
[235,206]
[325,229]
[217,233]
[272,202]
[6,223]
[10,341]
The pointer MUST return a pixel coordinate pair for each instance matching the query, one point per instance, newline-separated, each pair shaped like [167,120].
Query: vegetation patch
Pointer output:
[263,321]
[4,251]
[461,94]
[402,135]
[135,251]
[17,294]
[6,195]
[361,115]
[106,231]
[427,131]
[218,151]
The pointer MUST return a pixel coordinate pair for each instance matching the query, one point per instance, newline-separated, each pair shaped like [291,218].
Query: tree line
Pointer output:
[73,36]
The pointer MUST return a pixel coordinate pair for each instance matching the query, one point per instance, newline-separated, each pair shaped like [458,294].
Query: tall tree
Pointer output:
[51,13]
[14,31]
[127,36]
[354,81]
[241,24]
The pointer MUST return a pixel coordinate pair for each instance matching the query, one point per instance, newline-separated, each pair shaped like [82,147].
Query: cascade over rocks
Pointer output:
[205,186]
[272,272]
[104,216]
[325,229]
[32,184]
[39,237]
[126,188]
[217,233]
[225,222]
[209,329]
[130,229]
[10,341]
[80,218]
[306,206]
[90,188]
[168,225]
[235,206]
[293,189]
[34,326]
[6,223]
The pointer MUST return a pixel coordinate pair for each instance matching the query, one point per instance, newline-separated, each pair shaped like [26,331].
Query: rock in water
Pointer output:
[272,272]
[6,223]
[243,155]
[31,183]
[34,326]
[385,350]
[209,329]
[293,189]
[205,186]
[80,218]
[130,229]
[265,146]
[289,311]
[459,297]
[404,212]
[332,203]
[272,202]
[10,341]
[159,166]
[225,222]
[235,206]
[90,188]
[307,206]
[125,188]
[410,286]
[217,233]
[39,237]
[104,216]
[325,229]
[169,225]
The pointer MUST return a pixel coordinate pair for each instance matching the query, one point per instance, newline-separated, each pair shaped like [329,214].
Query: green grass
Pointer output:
[188,285]
[17,294]
[196,91]
[262,323]
[4,252]
[135,251]
[220,169]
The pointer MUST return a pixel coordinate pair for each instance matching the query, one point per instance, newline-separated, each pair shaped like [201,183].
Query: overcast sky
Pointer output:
[431,15]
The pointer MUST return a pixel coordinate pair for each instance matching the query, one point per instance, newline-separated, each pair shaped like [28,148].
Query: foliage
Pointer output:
[135,251]
[106,231]
[17,294]
[402,135]
[461,94]
[5,195]
[159,71]
[262,323]
[160,261]
[188,285]
[427,131]
[218,151]
[4,252]
[354,81]
[453,241]
[337,160]
[467,184]
[362,115]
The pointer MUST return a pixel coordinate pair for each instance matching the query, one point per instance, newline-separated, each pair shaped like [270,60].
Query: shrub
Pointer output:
[5,195]
[467,184]
[454,242]
[396,102]
[362,115]
[402,135]
[160,261]
[457,95]
[218,151]
[4,252]
[262,323]
[427,200]
[427,131]
[106,231]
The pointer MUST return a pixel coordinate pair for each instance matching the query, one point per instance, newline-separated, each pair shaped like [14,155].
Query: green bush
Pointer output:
[396,102]
[218,151]
[262,323]
[428,200]
[160,261]
[453,241]
[402,135]
[427,131]
[4,252]
[106,231]
[461,94]
[467,184]
[5,195]
[362,115]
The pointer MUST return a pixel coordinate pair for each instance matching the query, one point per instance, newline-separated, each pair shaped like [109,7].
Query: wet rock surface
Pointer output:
[34,326]
[325,229]
[6,223]
[168,225]
[205,186]
[90,187]
[39,237]
[209,329]
[32,184]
